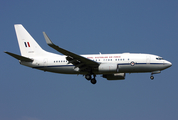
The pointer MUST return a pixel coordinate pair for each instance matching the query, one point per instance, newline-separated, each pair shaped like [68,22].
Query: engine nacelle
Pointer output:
[107,68]
[116,76]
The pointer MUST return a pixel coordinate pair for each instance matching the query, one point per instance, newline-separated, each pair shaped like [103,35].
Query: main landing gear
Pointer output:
[92,80]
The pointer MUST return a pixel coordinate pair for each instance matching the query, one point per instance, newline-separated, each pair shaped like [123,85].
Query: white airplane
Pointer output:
[110,66]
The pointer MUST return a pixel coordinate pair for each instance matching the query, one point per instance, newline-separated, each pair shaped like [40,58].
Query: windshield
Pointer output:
[159,58]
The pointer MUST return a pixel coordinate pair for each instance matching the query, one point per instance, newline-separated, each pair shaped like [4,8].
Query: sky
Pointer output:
[90,27]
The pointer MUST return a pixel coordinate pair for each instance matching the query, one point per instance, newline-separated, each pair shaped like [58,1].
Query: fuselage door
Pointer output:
[45,62]
[148,59]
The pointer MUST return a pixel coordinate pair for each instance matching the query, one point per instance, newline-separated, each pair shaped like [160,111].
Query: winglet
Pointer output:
[48,41]
[68,53]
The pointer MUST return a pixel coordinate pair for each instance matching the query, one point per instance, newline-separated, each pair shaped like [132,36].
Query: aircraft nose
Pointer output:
[168,64]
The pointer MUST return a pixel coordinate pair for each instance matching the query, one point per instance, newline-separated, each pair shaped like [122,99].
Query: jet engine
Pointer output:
[116,76]
[107,68]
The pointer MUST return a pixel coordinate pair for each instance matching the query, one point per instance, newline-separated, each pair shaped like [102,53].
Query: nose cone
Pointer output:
[168,64]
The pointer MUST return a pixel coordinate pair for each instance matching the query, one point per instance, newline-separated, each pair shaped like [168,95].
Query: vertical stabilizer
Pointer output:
[28,46]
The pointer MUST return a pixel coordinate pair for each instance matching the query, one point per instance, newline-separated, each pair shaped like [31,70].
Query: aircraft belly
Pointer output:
[140,68]
[59,69]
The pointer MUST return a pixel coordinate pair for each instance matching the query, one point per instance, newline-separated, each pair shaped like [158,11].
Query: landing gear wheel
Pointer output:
[151,77]
[93,81]
[88,76]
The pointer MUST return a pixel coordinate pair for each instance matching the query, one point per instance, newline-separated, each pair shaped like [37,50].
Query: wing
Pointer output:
[84,64]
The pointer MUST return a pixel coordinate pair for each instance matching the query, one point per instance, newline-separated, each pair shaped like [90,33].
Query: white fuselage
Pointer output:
[127,63]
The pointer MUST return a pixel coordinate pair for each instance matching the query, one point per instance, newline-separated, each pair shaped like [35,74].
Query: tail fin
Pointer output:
[28,46]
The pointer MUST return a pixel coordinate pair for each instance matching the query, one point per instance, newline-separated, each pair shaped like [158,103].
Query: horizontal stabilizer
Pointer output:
[18,57]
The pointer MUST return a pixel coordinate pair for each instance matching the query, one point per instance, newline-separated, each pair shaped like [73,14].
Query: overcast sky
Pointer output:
[84,27]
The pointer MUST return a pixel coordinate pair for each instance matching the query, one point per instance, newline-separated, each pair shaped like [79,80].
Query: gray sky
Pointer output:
[85,27]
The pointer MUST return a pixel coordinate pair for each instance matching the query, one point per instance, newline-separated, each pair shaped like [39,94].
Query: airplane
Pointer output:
[109,66]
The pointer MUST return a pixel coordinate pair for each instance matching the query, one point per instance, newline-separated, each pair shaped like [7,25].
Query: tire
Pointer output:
[93,81]
[88,76]
[151,77]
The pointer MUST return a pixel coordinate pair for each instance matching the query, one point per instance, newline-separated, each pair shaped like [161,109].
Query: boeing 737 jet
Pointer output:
[110,66]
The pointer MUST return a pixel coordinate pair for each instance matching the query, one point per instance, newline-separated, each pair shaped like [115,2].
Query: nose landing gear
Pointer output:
[151,77]
[154,72]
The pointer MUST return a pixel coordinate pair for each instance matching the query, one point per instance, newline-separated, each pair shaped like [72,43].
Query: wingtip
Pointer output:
[48,41]
[6,52]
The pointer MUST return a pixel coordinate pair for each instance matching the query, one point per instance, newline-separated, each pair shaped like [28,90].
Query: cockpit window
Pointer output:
[159,58]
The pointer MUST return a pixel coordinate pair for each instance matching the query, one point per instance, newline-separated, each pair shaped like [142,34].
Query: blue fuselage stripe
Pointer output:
[73,65]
